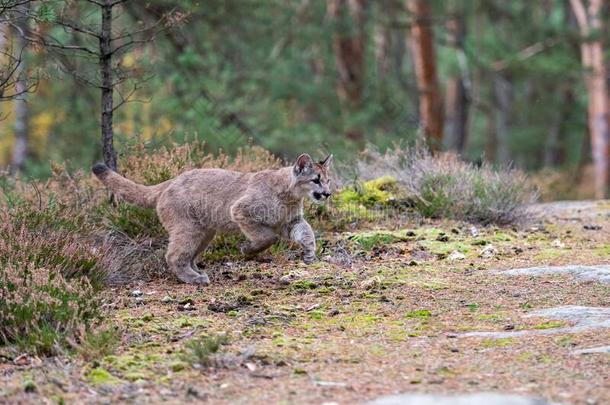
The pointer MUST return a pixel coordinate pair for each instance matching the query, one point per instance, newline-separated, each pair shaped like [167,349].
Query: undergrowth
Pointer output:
[62,240]
[443,186]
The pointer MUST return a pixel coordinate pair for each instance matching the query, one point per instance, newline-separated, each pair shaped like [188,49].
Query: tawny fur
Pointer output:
[265,206]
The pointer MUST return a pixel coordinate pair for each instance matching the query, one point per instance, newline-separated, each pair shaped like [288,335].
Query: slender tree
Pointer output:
[13,24]
[591,23]
[102,45]
[22,108]
[430,98]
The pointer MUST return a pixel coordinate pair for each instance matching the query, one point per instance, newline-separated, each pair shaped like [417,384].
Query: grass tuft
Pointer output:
[443,186]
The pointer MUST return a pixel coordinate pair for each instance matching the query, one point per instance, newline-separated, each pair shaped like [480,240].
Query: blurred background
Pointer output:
[507,82]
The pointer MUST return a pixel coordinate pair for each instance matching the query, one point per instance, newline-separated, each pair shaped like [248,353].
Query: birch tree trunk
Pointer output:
[22,109]
[430,98]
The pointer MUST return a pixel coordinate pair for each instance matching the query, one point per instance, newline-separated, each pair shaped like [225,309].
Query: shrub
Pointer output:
[444,186]
[201,351]
[49,275]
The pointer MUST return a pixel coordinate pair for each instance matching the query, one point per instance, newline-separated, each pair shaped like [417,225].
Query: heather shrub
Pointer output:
[443,186]
[49,279]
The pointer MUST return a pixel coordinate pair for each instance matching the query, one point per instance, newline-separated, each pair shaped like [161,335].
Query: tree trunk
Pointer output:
[457,94]
[554,150]
[22,109]
[503,100]
[430,99]
[383,43]
[590,21]
[108,151]
[349,46]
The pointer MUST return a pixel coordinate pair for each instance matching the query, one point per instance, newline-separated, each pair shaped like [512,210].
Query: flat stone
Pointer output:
[582,319]
[599,273]
[467,399]
[602,349]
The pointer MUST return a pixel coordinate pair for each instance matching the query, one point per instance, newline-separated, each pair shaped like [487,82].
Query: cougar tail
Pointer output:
[138,194]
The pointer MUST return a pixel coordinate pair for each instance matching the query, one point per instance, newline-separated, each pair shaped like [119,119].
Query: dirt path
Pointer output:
[387,312]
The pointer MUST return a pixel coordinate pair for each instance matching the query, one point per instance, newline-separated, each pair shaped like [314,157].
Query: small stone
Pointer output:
[557,243]
[166,299]
[22,360]
[136,293]
[186,307]
[463,399]
[371,283]
[442,238]
[455,255]
[474,232]
[488,252]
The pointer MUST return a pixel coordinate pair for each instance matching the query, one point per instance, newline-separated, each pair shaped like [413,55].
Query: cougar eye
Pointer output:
[316,180]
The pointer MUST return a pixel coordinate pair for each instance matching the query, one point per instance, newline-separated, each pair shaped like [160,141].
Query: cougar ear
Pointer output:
[303,164]
[327,161]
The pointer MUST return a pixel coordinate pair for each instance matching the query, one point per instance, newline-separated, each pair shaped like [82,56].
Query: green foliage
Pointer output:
[200,351]
[99,343]
[131,220]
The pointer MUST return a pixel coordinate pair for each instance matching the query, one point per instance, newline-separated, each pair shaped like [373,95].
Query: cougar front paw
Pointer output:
[245,249]
[309,259]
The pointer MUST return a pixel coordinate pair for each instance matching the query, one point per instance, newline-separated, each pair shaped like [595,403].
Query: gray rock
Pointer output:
[599,273]
[466,399]
[582,319]
[602,349]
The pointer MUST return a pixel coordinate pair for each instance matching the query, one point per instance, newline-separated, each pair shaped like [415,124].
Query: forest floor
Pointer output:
[387,311]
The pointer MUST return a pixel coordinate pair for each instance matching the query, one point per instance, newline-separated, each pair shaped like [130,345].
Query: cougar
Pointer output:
[193,206]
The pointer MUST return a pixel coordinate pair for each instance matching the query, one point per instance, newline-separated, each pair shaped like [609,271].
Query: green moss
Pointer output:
[100,376]
[29,386]
[178,366]
[304,285]
[502,342]
[502,237]
[549,325]
[420,313]
[317,314]
[369,193]
[550,253]
[603,250]
[371,239]
[444,248]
